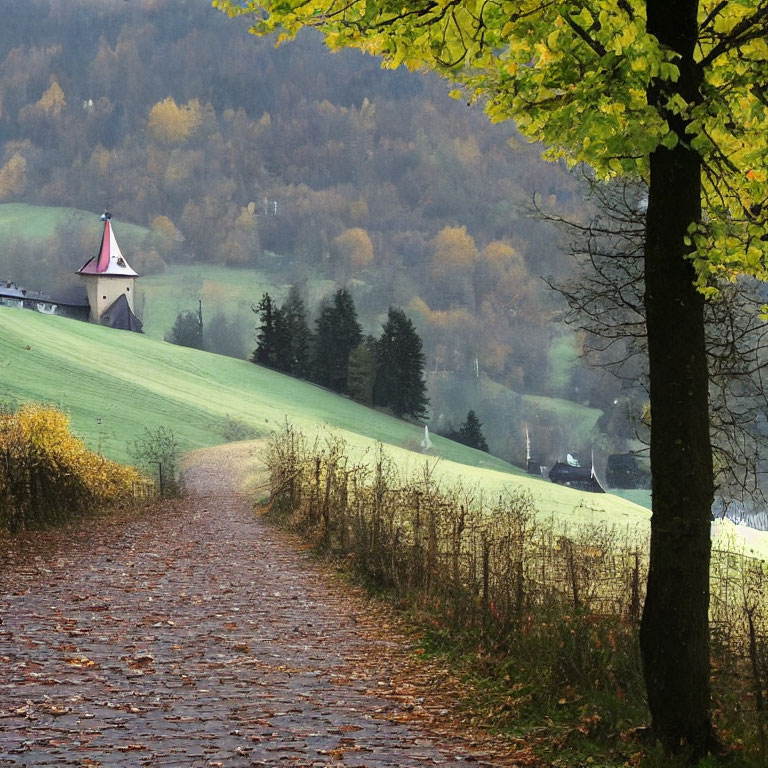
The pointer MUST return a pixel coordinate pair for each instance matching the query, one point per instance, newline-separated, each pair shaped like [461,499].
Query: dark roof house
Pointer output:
[581,478]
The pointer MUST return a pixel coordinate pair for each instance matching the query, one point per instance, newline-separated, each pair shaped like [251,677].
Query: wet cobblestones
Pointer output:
[195,638]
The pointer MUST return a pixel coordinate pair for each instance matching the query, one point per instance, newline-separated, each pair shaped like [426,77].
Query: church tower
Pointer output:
[109,281]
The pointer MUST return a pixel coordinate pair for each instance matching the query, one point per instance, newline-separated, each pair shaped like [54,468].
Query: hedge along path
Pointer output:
[198,635]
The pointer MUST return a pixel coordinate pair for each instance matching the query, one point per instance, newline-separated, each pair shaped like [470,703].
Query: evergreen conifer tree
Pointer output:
[273,347]
[337,333]
[282,350]
[400,378]
[187,330]
[295,315]
[471,434]
[361,374]
[265,332]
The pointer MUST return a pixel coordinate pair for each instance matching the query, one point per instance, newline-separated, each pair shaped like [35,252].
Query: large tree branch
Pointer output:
[747,29]
[595,45]
[713,14]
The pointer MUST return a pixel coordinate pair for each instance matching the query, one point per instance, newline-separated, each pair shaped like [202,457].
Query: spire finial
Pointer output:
[106,216]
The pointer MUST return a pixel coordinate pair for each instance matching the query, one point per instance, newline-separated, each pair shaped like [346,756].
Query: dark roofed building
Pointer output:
[119,315]
[581,478]
[11,295]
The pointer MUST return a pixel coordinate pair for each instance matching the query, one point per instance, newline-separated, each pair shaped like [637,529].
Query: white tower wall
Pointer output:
[103,292]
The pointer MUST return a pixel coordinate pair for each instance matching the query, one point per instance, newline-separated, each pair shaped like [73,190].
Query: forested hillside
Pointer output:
[305,164]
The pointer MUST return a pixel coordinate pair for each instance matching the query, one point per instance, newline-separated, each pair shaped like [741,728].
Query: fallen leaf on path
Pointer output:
[80,662]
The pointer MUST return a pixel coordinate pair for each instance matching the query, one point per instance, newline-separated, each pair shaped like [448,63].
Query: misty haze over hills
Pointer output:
[318,170]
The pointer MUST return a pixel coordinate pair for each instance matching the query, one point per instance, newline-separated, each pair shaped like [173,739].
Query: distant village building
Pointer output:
[109,281]
[11,295]
[575,476]
[568,472]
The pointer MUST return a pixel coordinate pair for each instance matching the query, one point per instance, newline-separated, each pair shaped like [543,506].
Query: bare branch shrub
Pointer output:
[560,606]
[486,567]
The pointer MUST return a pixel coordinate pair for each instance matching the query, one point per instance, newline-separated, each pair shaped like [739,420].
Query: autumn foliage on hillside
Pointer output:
[47,474]
[306,165]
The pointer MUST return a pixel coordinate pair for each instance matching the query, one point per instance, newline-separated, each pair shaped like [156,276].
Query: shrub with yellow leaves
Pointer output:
[48,475]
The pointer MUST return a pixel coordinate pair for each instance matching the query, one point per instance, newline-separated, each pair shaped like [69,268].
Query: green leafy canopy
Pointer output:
[575,76]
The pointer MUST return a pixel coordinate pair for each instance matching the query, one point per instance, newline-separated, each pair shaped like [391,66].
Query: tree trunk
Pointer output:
[674,631]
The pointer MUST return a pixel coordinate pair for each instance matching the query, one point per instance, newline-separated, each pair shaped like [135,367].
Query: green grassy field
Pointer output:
[221,289]
[562,358]
[129,381]
[582,417]
[40,222]
[114,384]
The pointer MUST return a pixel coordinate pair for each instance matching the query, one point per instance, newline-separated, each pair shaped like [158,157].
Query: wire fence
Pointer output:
[144,491]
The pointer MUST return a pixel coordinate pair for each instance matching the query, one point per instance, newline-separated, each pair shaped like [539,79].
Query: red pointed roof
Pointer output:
[110,260]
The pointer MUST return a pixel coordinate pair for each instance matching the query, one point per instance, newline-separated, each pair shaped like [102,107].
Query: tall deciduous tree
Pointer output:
[170,123]
[400,375]
[454,254]
[606,300]
[354,249]
[13,176]
[674,93]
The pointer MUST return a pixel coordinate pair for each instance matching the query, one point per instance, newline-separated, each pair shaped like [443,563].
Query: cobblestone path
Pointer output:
[198,637]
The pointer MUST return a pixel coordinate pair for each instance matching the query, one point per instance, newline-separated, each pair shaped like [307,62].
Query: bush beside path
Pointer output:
[197,635]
